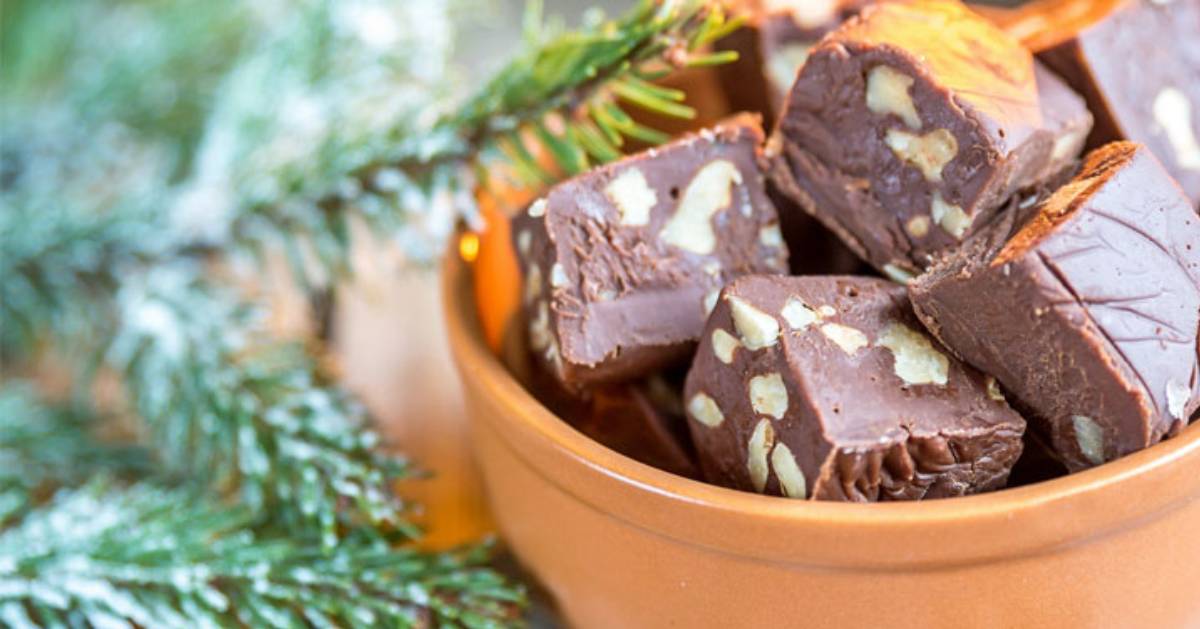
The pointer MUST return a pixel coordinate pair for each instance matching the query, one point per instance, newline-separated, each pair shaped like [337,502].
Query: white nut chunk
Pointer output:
[888,93]
[757,328]
[770,236]
[533,283]
[704,409]
[949,217]
[916,361]
[558,276]
[768,395]
[1178,396]
[537,209]
[788,472]
[1090,436]
[798,315]
[849,339]
[1173,113]
[710,301]
[524,242]
[724,345]
[690,228]
[929,153]
[993,390]
[757,449]
[633,197]
[918,226]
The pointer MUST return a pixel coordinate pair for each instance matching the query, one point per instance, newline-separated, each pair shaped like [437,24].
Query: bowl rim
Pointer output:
[997,526]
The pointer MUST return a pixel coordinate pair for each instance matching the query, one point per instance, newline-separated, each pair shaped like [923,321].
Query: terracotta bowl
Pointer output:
[620,544]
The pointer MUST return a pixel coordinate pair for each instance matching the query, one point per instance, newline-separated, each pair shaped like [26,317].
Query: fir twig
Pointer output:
[106,556]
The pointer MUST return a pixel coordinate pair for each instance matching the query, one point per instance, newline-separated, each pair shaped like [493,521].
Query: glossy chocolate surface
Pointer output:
[844,393]
[619,263]
[1088,315]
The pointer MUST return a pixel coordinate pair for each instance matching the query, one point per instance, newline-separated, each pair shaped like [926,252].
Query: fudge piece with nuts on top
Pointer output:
[1088,315]
[827,387]
[622,264]
[912,124]
[1138,66]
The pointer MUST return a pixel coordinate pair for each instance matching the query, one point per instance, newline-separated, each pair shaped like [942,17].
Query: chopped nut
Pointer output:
[633,197]
[950,217]
[558,276]
[929,152]
[757,449]
[705,410]
[690,228]
[897,274]
[533,283]
[539,329]
[918,226]
[791,477]
[887,93]
[798,315]
[847,338]
[770,236]
[786,60]
[711,267]
[1178,396]
[724,345]
[1090,436]
[768,395]
[524,241]
[915,360]
[757,328]
[827,310]
[1068,145]
[993,390]
[1173,112]
[710,301]
[537,208]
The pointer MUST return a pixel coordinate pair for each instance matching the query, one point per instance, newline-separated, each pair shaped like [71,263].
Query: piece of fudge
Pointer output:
[911,125]
[1088,315]
[621,264]
[827,387]
[772,45]
[1138,66]
[642,419]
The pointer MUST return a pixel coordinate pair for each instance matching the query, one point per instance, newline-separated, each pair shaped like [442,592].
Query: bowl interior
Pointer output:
[1002,524]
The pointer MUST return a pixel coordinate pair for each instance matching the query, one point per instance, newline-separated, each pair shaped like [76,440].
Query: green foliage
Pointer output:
[144,143]
[105,556]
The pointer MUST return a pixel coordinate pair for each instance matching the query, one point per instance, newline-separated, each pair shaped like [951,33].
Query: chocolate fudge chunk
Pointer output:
[827,387]
[771,47]
[912,124]
[622,263]
[1088,315]
[1138,66]
[643,420]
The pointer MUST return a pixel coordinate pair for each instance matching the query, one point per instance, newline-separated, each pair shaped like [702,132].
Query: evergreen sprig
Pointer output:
[106,555]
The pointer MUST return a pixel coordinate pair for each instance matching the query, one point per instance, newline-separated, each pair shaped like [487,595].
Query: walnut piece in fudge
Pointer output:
[1138,66]
[621,264]
[771,47]
[827,387]
[1088,315]
[912,124]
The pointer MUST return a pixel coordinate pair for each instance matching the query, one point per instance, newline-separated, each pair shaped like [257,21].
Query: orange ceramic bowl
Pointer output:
[620,544]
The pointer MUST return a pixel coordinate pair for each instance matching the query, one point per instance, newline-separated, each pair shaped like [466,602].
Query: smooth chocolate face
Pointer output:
[1138,65]
[621,263]
[827,387]
[1089,314]
[912,124]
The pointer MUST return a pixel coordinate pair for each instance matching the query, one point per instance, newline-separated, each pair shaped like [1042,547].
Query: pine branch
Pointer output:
[252,415]
[104,556]
[44,447]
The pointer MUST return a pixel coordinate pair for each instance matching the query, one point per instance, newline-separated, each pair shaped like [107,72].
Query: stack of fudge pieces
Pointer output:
[1013,280]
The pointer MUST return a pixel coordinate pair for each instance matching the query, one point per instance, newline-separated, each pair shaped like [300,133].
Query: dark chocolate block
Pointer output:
[1138,66]
[643,420]
[771,47]
[912,124]
[621,263]
[828,387]
[1088,315]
